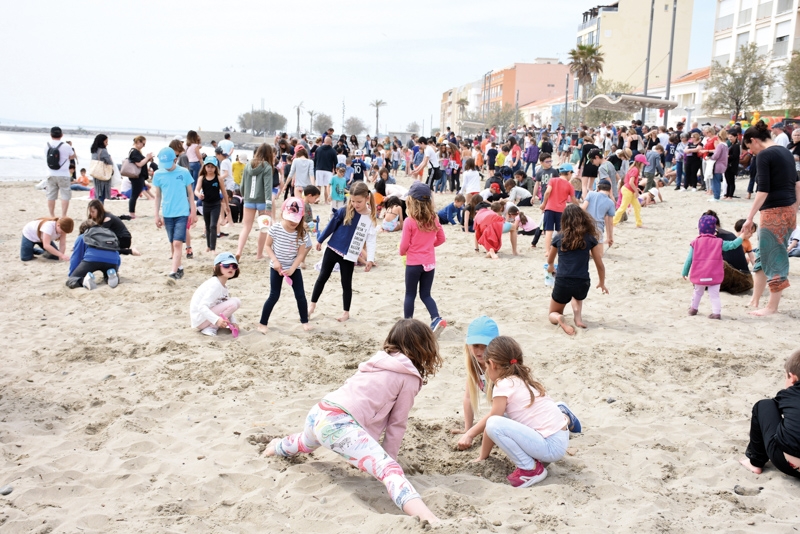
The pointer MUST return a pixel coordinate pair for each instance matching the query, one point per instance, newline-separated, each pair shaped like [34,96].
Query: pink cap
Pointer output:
[293,209]
[640,158]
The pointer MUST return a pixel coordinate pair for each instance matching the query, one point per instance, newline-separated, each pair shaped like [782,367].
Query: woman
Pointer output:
[633,141]
[720,162]
[734,151]
[515,153]
[776,200]
[368,146]
[345,147]
[680,159]
[353,142]
[140,160]
[193,154]
[257,195]
[301,173]
[97,212]
[102,189]
[692,162]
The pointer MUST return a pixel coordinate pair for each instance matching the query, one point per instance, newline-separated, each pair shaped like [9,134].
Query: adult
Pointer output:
[719,158]
[193,144]
[39,237]
[325,162]
[794,148]
[776,200]
[737,278]
[779,135]
[97,212]
[257,195]
[302,172]
[99,150]
[515,154]
[734,151]
[173,184]
[692,161]
[354,142]
[227,146]
[140,160]
[58,156]
[94,250]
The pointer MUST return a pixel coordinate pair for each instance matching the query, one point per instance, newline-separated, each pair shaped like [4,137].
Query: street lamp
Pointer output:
[688,110]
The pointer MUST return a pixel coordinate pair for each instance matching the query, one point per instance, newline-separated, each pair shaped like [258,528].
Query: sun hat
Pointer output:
[481,331]
[640,158]
[419,191]
[654,191]
[212,160]
[225,257]
[293,210]
[166,156]
[565,168]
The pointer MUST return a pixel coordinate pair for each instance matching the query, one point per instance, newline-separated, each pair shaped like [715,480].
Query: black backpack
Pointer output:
[54,157]
[102,238]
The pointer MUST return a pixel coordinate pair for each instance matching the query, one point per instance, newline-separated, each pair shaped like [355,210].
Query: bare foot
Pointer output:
[763,312]
[306,327]
[262,328]
[345,316]
[565,327]
[261,258]
[579,322]
[270,450]
[753,304]
[745,461]
[311,308]
[492,254]
[135,252]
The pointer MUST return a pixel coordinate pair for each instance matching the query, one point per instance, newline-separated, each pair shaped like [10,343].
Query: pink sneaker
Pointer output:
[522,478]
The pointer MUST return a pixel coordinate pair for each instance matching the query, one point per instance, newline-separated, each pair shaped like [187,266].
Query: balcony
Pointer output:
[784,6]
[796,44]
[724,23]
[764,11]
[722,60]
[781,49]
[762,50]
[744,16]
[588,24]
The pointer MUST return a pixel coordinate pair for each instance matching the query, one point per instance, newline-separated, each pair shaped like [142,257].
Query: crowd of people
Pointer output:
[580,186]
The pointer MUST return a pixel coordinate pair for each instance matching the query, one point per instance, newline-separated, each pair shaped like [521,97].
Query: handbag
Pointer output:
[129,169]
[100,171]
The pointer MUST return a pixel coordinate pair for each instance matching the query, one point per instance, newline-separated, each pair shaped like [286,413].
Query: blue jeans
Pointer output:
[716,184]
[28,249]
[524,445]
[194,170]
[678,173]
[79,187]
[529,164]
[440,183]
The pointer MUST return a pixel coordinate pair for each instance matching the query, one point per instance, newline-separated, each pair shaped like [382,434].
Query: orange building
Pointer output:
[534,81]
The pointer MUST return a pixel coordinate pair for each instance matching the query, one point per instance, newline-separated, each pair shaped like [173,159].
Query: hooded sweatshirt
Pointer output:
[257,183]
[379,397]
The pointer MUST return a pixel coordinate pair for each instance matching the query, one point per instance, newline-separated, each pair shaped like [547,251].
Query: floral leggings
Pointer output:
[331,427]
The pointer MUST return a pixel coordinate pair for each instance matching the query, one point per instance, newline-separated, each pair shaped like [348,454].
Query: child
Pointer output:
[558,193]
[392,214]
[704,265]
[794,243]
[774,428]
[489,230]
[175,185]
[519,196]
[39,236]
[629,190]
[545,172]
[359,167]
[349,172]
[576,242]
[212,306]
[500,161]
[209,189]
[491,157]
[453,213]
[287,246]
[338,187]
[523,225]
[374,401]
[472,180]
[524,421]
[350,229]
[746,245]
[421,234]
[311,194]
[600,205]
[95,249]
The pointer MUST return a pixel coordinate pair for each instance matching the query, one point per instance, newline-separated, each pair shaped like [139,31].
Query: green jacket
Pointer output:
[257,184]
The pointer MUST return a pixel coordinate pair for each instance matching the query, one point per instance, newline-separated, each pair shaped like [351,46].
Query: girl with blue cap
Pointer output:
[212,307]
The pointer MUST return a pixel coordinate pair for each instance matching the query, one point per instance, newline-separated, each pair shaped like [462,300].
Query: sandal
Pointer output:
[189,253]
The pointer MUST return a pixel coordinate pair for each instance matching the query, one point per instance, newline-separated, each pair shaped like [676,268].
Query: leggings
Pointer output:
[536,233]
[331,427]
[275,285]
[713,294]
[417,275]
[137,185]
[76,278]
[762,447]
[455,180]
[211,217]
[346,267]
[730,181]
[524,445]
[226,308]
[692,167]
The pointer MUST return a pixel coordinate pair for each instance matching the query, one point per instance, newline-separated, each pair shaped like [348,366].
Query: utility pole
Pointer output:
[343,117]
[647,60]
[516,110]
[669,65]
[422,131]
[566,106]
[251,118]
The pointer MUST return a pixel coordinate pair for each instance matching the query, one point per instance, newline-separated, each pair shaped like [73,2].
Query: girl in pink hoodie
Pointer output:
[375,400]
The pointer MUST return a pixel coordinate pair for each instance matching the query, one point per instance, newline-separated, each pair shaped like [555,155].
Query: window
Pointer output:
[722,50]
[764,9]
[741,40]
[781,47]
[745,12]
[762,40]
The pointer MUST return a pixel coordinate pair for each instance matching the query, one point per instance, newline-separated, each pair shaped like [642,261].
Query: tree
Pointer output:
[605,87]
[298,107]
[731,90]
[322,123]
[462,104]
[354,126]
[791,82]
[412,127]
[311,115]
[586,61]
[377,104]
[498,116]
[262,121]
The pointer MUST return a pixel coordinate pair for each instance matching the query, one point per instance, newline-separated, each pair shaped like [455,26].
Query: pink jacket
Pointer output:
[707,264]
[379,397]
[418,246]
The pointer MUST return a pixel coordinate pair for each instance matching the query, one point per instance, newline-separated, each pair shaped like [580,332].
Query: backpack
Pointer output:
[54,156]
[102,238]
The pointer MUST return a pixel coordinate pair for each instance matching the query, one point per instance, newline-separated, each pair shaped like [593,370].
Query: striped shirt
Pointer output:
[284,245]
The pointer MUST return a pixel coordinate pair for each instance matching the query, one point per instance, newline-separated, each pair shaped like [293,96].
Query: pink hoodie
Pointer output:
[379,397]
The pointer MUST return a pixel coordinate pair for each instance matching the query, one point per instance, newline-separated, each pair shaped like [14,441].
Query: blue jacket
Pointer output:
[450,213]
[82,252]
[342,235]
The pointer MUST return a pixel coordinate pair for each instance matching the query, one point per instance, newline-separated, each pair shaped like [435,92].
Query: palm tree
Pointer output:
[462,104]
[586,61]
[298,107]
[311,115]
[377,104]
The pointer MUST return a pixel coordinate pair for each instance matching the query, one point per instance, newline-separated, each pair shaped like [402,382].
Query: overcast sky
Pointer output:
[180,65]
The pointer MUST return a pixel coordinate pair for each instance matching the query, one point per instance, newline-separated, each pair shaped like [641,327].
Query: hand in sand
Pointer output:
[464,443]
[270,450]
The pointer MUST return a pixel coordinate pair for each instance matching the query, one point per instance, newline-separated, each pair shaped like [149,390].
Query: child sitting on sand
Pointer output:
[705,267]
[524,421]
[392,215]
[775,427]
[374,401]
[212,306]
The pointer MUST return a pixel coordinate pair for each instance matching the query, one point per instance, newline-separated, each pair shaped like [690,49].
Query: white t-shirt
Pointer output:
[66,151]
[394,190]
[226,166]
[663,139]
[226,145]
[341,158]
[433,156]
[544,416]
[518,194]
[30,231]
[209,294]
[302,170]
[782,139]
[471,182]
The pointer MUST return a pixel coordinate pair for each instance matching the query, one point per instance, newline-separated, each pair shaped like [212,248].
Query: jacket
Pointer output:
[531,153]
[787,436]
[257,183]
[82,252]
[342,236]
[720,157]
[379,397]
[704,264]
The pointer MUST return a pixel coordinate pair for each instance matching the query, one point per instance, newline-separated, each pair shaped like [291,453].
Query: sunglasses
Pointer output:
[229,265]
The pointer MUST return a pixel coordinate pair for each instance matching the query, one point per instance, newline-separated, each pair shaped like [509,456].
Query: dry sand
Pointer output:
[116,417]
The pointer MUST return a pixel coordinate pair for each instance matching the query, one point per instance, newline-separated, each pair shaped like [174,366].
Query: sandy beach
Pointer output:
[115,416]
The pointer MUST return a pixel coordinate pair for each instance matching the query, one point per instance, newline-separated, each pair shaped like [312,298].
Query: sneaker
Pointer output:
[438,325]
[222,234]
[113,279]
[179,273]
[189,253]
[89,281]
[715,316]
[209,331]
[523,478]
[574,425]
[713,200]
[692,311]
[174,276]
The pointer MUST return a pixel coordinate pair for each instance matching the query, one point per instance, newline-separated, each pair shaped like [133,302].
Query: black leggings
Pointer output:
[417,275]
[211,216]
[275,284]
[691,168]
[137,185]
[730,180]
[76,279]
[346,267]
[536,233]
[762,447]
[455,180]
[125,244]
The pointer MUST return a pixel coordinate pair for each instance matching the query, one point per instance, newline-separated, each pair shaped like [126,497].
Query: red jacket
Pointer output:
[489,229]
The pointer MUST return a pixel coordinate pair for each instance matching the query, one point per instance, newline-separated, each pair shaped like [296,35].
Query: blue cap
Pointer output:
[225,257]
[566,167]
[341,166]
[212,160]
[482,331]
[166,157]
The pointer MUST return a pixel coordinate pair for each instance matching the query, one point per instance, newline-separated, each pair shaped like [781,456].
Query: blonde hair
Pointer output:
[360,189]
[423,212]
[473,376]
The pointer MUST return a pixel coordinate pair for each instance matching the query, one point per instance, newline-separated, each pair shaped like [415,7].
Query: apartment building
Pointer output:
[621,29]
[773,25]
[459,101]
